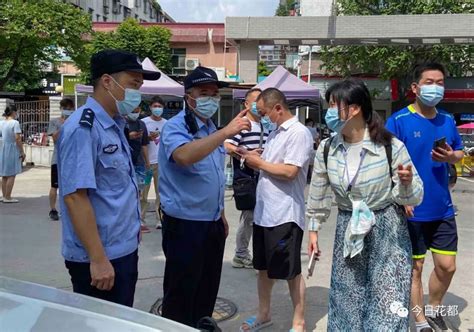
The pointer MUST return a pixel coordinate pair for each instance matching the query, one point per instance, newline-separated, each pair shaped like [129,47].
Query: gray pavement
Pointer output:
[30,250]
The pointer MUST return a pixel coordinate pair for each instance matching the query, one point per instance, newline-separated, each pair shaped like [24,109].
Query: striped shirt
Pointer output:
[249,140]
[373,184]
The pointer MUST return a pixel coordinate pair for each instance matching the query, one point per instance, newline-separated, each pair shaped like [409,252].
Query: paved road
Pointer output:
[30,250]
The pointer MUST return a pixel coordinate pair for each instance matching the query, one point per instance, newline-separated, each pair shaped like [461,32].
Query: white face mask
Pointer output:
[133,116]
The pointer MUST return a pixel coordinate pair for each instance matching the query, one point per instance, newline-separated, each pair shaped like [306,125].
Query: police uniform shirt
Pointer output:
[93,154]
[194,192]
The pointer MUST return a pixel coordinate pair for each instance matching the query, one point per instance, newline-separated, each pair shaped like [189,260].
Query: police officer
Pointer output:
[191,158]
[98,190]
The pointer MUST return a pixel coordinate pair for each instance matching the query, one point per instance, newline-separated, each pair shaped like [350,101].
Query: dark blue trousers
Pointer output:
[194,252]
[126,275]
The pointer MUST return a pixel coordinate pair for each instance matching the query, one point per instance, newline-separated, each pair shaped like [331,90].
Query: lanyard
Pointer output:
[354,179]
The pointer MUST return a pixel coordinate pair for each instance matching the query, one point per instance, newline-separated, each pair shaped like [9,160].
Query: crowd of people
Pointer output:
[379,174]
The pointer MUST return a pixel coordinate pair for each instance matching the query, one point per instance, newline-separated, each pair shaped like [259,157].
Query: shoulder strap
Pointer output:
[87,118]
[388,151]
[327,145]
[262,131]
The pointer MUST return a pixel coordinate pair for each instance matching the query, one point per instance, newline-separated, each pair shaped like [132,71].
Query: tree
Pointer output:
[284,9]
[152,42]
[35,33]
[263,69]
[396,62]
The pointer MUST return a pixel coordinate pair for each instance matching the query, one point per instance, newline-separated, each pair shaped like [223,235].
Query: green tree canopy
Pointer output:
[397,61]
[284,9]
[152,42]
[263,69]
[33,33]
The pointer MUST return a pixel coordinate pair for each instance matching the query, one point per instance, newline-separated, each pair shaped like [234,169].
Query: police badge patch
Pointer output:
[111,148]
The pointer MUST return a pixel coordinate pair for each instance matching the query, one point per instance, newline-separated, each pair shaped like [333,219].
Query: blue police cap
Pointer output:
[114,61]
[203,75]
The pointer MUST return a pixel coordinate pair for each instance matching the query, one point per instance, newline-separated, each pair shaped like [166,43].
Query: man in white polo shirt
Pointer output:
[279,212]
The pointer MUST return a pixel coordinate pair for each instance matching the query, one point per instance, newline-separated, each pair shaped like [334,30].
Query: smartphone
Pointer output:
[241,151]
[439,143]
[312,262]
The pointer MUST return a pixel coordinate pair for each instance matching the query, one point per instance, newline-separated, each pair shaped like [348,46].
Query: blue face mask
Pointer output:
[207,106]
[157,111]
[66,113]
[267,123]
[132,100]
[133,116]
[431,95]
[333,121]
[254,110]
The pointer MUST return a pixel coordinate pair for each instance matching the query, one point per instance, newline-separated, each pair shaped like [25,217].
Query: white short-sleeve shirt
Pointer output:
[282,201]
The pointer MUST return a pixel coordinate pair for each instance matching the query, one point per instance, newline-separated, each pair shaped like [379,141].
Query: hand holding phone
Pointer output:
[439,143]
[312,262]
[241,151]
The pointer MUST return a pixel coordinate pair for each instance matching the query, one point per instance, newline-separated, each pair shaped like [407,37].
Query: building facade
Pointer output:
[120,10]
[194,44]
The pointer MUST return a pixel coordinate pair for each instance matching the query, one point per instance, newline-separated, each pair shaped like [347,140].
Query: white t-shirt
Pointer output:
[282,201]
[153,146]
[353,156]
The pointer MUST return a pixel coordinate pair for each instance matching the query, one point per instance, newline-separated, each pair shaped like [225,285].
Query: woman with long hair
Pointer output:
[12,154]
[371,174]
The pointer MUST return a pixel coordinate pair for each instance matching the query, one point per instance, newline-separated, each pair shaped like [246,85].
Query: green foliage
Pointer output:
[263,69]
[33,33]
[152,42]
[397,61]
[284,9]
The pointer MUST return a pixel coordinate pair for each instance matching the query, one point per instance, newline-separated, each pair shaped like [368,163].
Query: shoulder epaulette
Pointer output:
[87,118]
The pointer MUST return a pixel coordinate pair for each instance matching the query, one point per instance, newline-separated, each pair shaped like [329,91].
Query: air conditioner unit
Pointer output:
[191,64]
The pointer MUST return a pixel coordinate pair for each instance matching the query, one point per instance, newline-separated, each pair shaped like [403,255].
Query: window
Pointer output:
[126,12]
[97,18]
[178,61]
[91,12]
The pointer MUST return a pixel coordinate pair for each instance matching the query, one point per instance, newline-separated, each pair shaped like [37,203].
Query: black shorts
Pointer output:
[440,237]
[278,250]
[54,176]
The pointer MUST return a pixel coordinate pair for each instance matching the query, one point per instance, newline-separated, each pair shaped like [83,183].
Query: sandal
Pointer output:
[254,326]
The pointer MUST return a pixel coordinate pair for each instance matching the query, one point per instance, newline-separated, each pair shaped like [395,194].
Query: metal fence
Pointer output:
[34,119]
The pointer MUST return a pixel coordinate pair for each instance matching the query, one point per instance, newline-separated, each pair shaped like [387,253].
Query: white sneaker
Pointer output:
[12,200]
[240,263]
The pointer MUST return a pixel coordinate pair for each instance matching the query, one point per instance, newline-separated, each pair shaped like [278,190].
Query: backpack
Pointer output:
[388,151]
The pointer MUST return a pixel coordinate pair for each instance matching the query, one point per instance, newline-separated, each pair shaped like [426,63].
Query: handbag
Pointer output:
[245,193]
[245,188]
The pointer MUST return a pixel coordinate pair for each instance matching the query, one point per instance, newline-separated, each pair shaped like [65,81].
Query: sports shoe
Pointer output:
[245,262]
[437,323]
[54,215]
[11,200]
